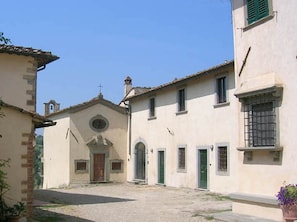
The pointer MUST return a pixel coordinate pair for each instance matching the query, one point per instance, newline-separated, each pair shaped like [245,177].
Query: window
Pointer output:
[256,10]
[181,159]
[260,124]
[222,159]
[152,107]
[221,90]
[261,118]
[181,100]
[98,123]
[116,166]
[81,166]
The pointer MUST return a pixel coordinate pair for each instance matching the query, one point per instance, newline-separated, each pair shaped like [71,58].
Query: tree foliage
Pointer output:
[3,39]
[38,166]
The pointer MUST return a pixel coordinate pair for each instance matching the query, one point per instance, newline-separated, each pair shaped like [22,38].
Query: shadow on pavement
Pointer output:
[56,197]
[43,215]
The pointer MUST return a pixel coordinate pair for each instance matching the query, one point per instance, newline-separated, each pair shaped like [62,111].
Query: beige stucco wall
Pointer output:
[18,78]
[12,127]
[71,134]
[116,133]
[202,126]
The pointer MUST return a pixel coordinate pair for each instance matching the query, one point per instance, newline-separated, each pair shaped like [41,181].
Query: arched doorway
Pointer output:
[140,161]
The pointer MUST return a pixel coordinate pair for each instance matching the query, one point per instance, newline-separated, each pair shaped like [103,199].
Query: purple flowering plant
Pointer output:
[287,195]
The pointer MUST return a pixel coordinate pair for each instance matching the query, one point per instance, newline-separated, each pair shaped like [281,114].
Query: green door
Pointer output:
[161,167]
[140,162]
[202,169]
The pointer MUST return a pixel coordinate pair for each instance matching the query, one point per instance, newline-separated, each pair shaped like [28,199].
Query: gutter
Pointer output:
[41,68]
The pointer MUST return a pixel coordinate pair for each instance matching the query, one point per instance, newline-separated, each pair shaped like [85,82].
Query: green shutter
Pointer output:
[263,8]
[257,9]
[251,9]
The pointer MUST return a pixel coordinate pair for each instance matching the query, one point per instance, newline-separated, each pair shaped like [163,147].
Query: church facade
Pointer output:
[87,144]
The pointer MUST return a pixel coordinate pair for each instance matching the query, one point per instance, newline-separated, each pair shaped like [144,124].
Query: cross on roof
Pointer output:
[100,87]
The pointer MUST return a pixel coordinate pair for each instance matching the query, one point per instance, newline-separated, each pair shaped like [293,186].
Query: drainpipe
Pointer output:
[130,121]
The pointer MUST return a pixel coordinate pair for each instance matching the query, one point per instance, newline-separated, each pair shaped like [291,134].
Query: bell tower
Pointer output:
[51,107]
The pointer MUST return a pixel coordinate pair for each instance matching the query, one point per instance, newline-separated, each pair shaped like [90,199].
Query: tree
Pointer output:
[38,166]
[3,39]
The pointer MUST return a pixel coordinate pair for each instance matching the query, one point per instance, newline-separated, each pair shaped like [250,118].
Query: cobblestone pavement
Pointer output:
[127,203]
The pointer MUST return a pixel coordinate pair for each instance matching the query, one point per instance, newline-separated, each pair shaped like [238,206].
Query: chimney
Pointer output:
[127,85]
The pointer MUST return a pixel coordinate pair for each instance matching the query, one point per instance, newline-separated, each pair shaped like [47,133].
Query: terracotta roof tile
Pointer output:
[43,57]
[38,120]
[84,105]
[181,80]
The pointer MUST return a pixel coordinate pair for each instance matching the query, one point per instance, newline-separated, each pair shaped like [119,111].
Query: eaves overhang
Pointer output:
[38,120]
[184,80]
[90,103]
[42,57]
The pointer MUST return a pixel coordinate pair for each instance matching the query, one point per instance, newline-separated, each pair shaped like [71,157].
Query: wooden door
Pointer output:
[99,167]
[202,169]
[161,167]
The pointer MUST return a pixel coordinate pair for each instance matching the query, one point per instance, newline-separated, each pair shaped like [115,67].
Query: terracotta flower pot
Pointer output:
[289,212]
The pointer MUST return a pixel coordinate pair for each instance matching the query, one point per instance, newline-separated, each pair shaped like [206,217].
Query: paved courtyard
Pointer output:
[130,202]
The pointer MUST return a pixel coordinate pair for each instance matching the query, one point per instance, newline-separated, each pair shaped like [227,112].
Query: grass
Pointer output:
[218,197]
[207,217]
[207,214]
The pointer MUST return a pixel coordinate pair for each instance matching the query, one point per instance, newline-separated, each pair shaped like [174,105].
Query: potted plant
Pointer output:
[14,213]
[287,199]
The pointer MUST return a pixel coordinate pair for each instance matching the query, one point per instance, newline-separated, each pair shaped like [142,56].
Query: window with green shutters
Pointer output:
[257,9]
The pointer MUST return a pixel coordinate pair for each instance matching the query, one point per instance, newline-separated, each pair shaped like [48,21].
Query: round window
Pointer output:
[99,123]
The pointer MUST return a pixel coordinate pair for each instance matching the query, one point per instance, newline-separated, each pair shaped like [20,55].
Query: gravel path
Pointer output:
[127,203]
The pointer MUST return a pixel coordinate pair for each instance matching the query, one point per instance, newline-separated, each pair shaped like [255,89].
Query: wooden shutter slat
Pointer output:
[257,9]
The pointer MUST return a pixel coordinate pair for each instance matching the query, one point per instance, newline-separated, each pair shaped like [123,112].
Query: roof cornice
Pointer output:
[42,57]
[84,105]
[176,82]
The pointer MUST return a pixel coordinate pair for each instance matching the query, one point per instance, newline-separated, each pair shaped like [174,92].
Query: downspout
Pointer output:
[129,129]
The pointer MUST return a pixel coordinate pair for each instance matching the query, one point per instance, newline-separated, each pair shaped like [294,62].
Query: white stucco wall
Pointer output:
[56,154]
[202,126]
[272,60]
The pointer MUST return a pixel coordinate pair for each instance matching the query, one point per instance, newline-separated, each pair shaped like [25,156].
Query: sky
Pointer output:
[100,43]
